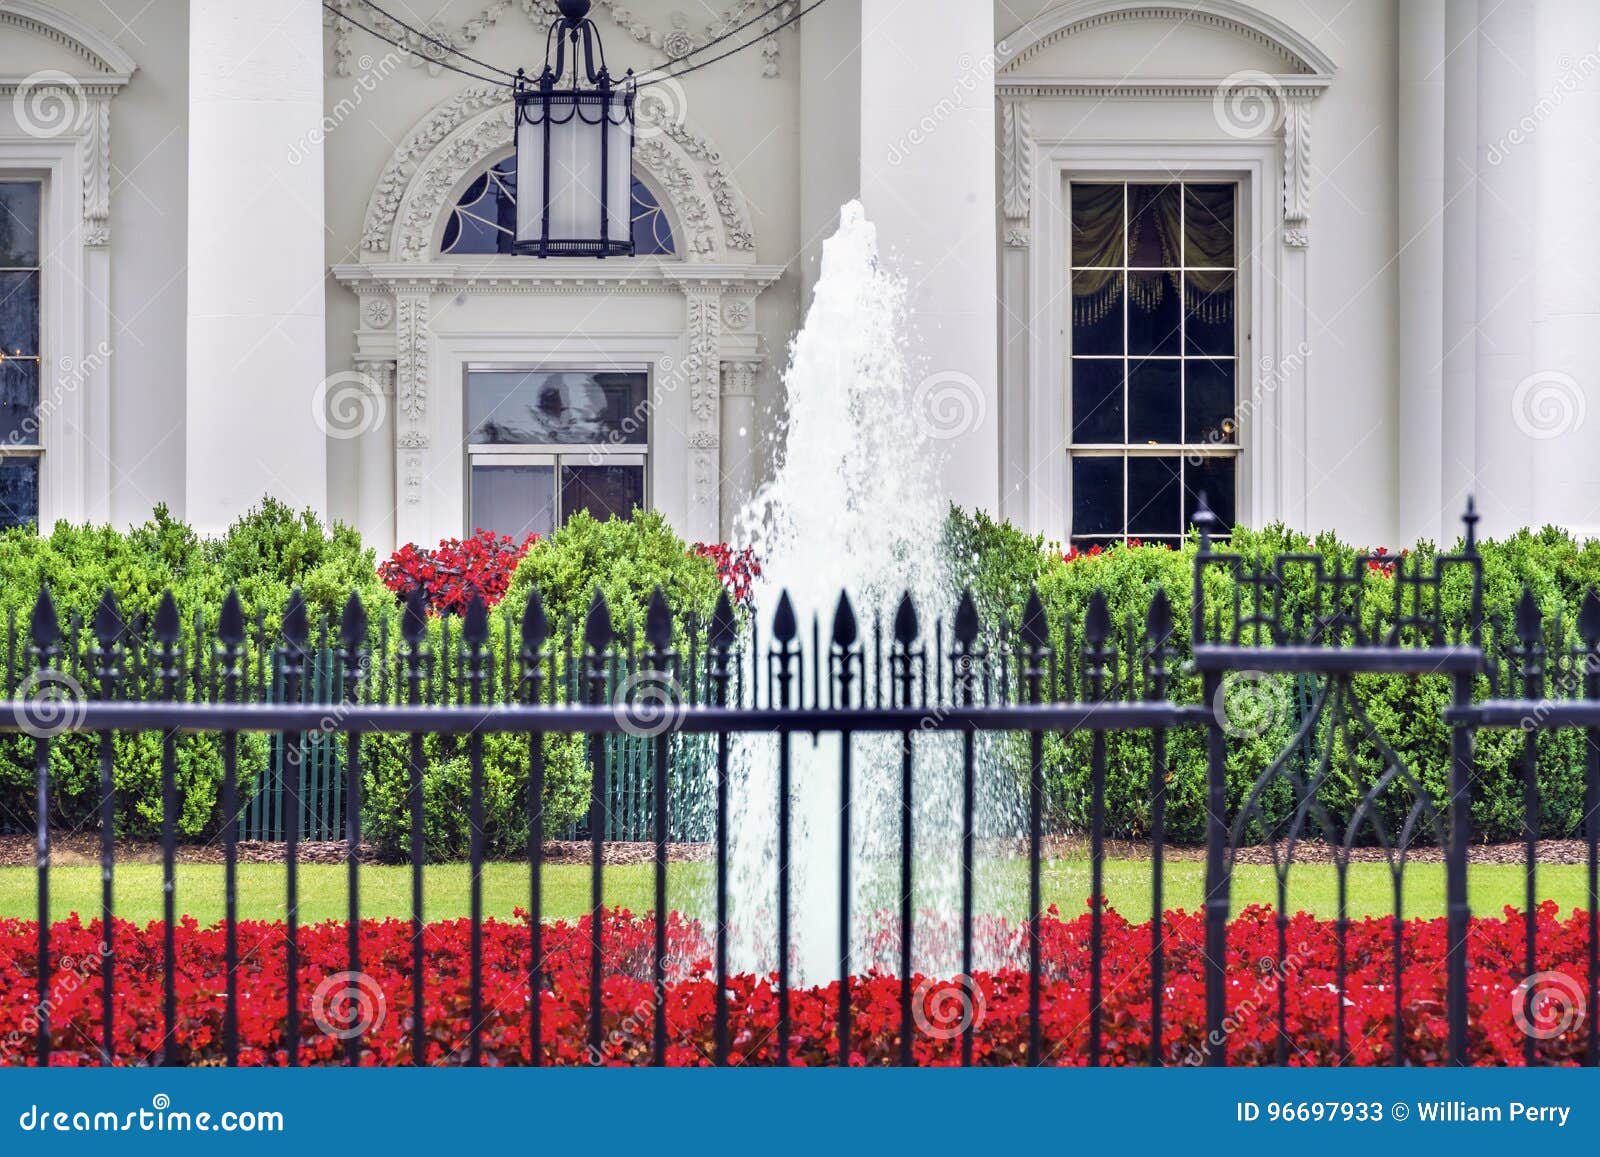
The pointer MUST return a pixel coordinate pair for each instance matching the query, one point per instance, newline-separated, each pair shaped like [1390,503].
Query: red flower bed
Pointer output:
[460,568]
[996,1002]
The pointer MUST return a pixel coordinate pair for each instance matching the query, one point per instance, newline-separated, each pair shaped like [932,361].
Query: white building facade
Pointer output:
[1329,261]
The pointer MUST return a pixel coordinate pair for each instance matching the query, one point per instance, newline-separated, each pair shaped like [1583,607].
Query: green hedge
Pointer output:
[1407,713]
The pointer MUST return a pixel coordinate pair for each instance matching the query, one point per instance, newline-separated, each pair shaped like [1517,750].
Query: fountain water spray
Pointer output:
[855,505]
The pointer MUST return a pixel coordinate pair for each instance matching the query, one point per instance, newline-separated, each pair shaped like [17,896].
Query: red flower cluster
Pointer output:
[460,568]
[1096,550]
[377,1001]
[1384,564]
[737,568]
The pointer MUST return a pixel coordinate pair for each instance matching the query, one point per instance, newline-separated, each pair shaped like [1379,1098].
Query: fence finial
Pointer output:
[1204,520]
[597,626]
[46,626]
[230,620]
[475,625]
[658,621]
[1035,631]
[296,624]
[1529,618]
[1589,618]
[966,624]
[906,627]
[1097,624]
[167,622]
[353,624]
[723,623]
[535,627]
[414,623]
[784,626]
[845,629]
[1470,520]
[1158,623]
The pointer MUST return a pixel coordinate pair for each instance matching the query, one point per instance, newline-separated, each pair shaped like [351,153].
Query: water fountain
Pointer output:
[854,505]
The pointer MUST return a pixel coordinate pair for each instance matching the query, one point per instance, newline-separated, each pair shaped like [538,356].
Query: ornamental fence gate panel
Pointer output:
[1067,693]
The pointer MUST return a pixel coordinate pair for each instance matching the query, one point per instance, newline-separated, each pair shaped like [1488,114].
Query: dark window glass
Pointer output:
[1216,478]
[1097,225]
[1097,400]
[19,314]
[1209,402]
[1209,325]
[484,219]
[1154,348]
[1155,315]
[1097,313]
[540,407]
[19,224]
[1153,393]
[515,500]
[19,492]
[1097,495]
[1154,489]
[1153,226]
[603,491]
[19,401]
[1208,226]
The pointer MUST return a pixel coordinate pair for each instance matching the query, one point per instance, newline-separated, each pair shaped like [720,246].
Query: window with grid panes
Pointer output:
[20,448]
[1155,336]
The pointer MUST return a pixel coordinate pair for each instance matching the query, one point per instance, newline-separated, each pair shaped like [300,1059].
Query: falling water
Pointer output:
[854,505]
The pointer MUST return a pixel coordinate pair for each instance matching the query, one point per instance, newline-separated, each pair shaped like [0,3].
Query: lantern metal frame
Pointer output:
[561,93]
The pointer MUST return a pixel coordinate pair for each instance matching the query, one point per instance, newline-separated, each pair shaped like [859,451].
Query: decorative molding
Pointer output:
[737,314]
[378,312]
[1297,52]
[1090,88]
[84,40]
[380,371]
[472,129]
[1296,129]
[412,339]
[500,276]
[680,39]
[95,146]
[702,363]
[739,377]
[1016,170]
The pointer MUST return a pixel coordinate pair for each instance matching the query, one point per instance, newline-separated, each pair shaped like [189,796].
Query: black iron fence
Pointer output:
[1338,778]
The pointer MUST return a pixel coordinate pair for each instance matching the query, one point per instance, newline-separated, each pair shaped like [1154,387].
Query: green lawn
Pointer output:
[386,891]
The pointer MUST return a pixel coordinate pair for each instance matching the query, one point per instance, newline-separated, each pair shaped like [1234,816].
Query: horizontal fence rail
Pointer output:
[685,693]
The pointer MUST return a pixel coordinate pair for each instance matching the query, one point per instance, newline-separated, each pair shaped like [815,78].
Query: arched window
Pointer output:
[484,218]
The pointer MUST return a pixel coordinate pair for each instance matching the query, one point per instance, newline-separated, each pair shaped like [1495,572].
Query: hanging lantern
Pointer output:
[574,132]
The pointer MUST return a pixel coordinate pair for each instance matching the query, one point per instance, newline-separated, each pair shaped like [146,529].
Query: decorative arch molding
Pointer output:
[464,134]
[1299,55]
[97,49]
[422,316]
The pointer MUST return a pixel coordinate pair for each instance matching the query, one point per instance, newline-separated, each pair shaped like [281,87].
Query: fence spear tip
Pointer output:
[167,625]
[353,623]
[1158,623]
[535,627]
[1589,617]
[784,625]
[414,622]
[845,628]
[296,623]
[966,624]
[1034,630]
[230,620]
[1528,617]
[906,626]
[722,622]
[597,631]
[658,621]
[46,626]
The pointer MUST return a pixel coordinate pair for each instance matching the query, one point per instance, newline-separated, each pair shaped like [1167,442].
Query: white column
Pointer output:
[375,497]
[739,442]
[1507,204]
[1558,409]
[257,337]
[928,183]
[1459,288]
[1421,269]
